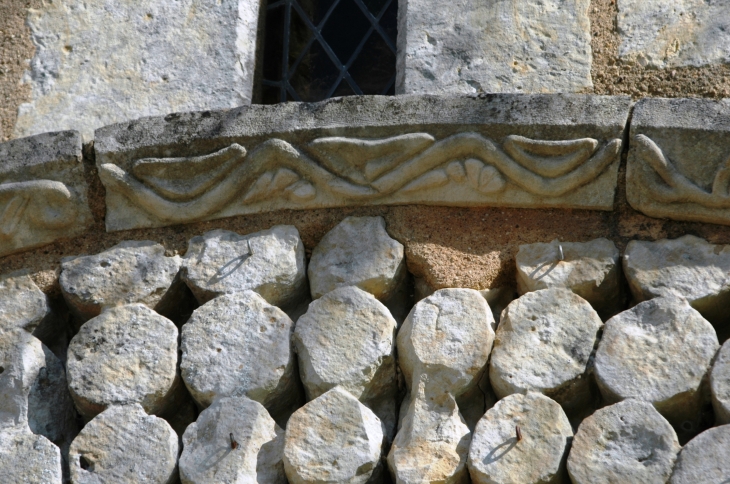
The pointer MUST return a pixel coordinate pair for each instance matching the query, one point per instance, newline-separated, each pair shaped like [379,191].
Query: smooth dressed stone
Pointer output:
[625,442]
[358,252]
[507,46]
[704,459]
[537,455]
[720,384]
[659,351]
[432,444]
[544,343]
[271,262]
[239,344]
[347,338]
[209,456]
[28,458]
[333,438]
[657,34]
[448,337]
[123,444]
[589,269]
[127,354]
[130,272]
[167,57]
[22,304]
[687,267]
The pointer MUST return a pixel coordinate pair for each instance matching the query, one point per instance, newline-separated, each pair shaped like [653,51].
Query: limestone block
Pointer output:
[589,269]
[42,191]
[33,388]
[508,46]
[166,57]
[687,267]
[127,354]
[536,455]
[677,157]
[624,442]
[240,344]
[28,458]
[544,343]
[703,460]
[130,272]
[448,336]
[672,34]
[333,438]
[123,444]
[233,440]
[720,384]
[510,150]
[659,351]
[23,305]
[347,338]
[357,252]
[432,444]
[271,262]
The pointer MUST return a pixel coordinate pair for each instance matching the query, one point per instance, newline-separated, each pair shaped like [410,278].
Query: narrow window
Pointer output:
[317,49]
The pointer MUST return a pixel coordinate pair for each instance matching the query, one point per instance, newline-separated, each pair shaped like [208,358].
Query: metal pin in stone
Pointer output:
[560,249]
[518,431]
[234,444]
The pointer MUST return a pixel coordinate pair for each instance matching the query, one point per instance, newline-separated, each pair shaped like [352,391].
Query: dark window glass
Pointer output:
[317,49]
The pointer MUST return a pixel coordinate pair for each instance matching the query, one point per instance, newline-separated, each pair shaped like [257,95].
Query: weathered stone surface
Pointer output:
[686,267]
[544,343]
[33,389]
[23,305]
[625,442]
[209,457]
[239,344]
[499,150]
[347,338]
[448,337]
[123,444]
[589,269]
[672,34]
[677,159]
[497,454]
[704,459]
[271,262]
[28,458]
[720,384]
[163,58]
[432,444]
[127,354]
[357,252]
[130,272]
[42,191]
[333,438]
[508,46]
[498,298]
[659,351]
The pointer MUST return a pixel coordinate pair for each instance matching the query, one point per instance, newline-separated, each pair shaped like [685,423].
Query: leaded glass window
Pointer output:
[317,49]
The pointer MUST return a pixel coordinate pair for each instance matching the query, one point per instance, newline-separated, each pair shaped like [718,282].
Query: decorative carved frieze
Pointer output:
[507,150]
[42,191]
[679,160]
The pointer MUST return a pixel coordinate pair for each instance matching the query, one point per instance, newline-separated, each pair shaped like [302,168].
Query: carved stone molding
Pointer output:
[42,191]
[506,150]
[679,160]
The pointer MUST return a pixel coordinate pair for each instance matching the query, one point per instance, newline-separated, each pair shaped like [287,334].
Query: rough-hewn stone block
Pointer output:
[678,164]
[503,46]
[42,191]
[152,58]
[497,150]
[657,33]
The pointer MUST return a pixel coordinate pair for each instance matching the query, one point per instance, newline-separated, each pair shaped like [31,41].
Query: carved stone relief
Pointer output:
[679,167]
[456,165]
[42,191]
